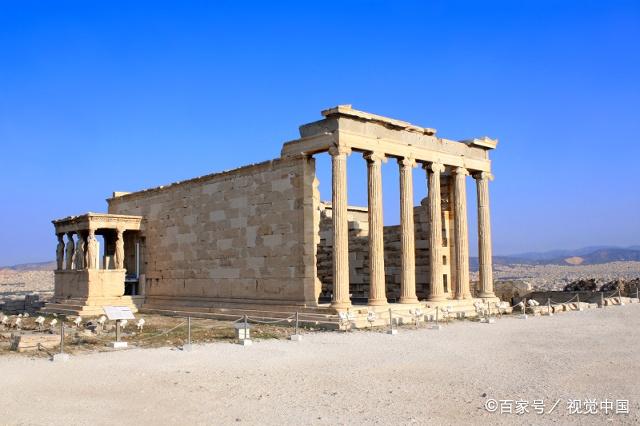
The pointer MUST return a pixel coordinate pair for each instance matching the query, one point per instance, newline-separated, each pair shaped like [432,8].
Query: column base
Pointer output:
[439,298]
[341,305]
[409,300]
[377,302]
[486,295]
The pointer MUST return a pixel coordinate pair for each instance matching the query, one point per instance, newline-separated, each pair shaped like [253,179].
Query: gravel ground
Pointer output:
[418,376]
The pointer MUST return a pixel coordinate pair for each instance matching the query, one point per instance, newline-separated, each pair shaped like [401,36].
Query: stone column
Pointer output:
[407,232]
[377,292]
[341,298]
[484,235]
[436,293]
[119,252]
[79,255]
[92,250]
[461,233]
[70,252]
[60,252]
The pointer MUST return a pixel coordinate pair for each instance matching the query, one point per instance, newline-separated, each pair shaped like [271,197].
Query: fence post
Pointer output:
[524,309]
[579,304]
[246,340]
[188,347]
[620,297]
[436,326]
[296,337]
[61,356]
[549,307]
[392,330]
[602,299]
[62,337]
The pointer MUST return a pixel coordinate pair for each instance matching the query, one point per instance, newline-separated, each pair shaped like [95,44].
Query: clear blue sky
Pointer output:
[103,96]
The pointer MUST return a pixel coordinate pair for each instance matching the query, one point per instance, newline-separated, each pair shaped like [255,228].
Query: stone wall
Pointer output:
[247,235]
[19,304]
[359,252]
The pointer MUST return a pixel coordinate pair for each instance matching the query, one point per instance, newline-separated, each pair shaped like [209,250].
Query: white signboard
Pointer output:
[118,313]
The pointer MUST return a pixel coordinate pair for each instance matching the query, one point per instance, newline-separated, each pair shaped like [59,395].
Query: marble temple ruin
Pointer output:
[259,238]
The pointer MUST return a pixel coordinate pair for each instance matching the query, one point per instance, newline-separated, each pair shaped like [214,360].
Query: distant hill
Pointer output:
[38,266]
[583,256]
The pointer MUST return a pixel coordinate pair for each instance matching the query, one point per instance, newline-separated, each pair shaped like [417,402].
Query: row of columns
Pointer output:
[377,291]
[82,254]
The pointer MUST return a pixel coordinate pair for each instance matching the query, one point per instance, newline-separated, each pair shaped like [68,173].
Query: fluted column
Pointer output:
[436,293]
[461,233]
[340,227]
[484,235]
[377,293]
[407,232]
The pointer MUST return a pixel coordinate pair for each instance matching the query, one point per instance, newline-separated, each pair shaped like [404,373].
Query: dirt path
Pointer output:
[419,376]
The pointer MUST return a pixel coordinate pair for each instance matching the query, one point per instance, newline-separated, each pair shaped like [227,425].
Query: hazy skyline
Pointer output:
[96,98]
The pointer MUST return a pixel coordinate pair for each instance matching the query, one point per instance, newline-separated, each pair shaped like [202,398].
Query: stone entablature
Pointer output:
[358,130]
[98,221]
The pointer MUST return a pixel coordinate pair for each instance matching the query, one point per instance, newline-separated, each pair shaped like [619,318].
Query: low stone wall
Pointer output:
[562,296]
[14,305]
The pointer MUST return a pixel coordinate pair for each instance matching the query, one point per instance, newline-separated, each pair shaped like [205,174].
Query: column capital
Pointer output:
[482,176]
[375,157]
[407,162]
[460,171]
[340,150]
[433,167]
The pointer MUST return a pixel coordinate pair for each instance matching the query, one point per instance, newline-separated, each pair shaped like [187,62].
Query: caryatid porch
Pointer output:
[345,130]
[88,277]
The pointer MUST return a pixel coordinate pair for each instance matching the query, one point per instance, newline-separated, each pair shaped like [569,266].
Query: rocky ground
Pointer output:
[555,277]
[416,377]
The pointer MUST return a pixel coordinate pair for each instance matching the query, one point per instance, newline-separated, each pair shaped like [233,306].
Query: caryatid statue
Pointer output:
[92,249]
[60,252]
[119,258]
[80,252]
[70,252]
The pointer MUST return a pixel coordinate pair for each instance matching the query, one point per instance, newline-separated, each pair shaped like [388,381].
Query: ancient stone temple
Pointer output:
[259,237]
